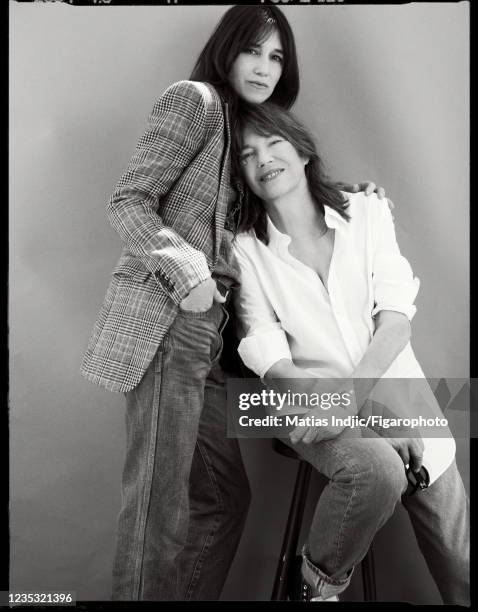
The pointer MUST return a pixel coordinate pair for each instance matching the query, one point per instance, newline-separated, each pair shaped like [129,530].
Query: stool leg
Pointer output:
[292,531]
[368,576]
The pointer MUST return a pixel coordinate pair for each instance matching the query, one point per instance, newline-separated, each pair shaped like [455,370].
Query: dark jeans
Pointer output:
[185,494]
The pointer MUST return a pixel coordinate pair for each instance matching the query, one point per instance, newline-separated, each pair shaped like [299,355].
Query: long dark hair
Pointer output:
[268,119]
[239,28]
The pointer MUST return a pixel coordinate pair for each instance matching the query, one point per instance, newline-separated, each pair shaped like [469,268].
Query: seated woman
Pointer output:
[325,293]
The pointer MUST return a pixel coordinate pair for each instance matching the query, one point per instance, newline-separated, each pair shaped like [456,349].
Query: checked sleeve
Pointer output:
[176,132]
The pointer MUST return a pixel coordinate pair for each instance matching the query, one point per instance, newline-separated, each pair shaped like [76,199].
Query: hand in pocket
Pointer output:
[201,297]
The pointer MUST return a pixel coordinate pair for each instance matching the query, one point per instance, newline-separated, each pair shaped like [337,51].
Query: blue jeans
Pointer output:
[185,494]
[366,482]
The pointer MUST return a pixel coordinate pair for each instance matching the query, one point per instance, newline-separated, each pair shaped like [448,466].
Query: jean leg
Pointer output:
[219,500]
[163,414]
[366,481]
[142,404]
[441,522]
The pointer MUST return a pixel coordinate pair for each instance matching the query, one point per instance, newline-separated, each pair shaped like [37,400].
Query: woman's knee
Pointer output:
[387,471]
[377,468]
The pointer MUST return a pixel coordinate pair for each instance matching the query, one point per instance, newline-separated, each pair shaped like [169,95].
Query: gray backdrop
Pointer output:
[385,89]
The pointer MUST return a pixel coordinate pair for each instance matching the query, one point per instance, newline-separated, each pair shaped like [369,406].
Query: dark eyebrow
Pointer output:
[256,44]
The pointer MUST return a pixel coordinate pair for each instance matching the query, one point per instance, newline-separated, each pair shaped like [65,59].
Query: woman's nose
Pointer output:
[264,158]
[262,66]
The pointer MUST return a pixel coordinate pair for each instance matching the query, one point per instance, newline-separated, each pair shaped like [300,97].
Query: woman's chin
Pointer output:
[256,97]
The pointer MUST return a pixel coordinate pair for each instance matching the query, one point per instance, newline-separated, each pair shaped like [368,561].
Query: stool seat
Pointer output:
[285,450]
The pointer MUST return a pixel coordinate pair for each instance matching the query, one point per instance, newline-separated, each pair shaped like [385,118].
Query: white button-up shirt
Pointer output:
[286,311]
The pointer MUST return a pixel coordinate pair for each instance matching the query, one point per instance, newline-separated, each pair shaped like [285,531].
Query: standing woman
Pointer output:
[158,336]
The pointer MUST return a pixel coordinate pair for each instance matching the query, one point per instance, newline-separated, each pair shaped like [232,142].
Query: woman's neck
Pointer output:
[296,215]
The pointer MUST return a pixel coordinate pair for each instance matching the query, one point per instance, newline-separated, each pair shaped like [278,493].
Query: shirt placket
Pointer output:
[339,310]
[332,294]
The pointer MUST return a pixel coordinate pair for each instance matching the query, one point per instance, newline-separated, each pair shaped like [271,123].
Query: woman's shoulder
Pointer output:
[245,243]
[361,205]
[360,197]
[194,91]
[194,102]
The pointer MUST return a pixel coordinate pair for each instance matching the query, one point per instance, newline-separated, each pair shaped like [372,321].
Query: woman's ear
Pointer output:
[305,159]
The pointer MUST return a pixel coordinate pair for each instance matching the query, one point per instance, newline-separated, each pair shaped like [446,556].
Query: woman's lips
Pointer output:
[257,84]
[271,175]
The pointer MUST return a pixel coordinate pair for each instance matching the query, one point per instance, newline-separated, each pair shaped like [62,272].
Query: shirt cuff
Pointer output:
[398,297]
[408,311]
[262,349]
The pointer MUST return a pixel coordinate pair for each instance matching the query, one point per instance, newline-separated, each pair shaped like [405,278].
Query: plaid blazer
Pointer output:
[172,198]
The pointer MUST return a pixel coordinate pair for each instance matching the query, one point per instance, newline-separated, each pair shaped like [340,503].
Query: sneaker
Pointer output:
[299,589]
[307,594]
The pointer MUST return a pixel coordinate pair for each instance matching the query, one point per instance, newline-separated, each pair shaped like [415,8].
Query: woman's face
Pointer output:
[271,165]
[257,70]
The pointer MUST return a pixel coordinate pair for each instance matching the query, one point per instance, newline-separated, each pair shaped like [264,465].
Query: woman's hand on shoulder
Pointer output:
[368,187]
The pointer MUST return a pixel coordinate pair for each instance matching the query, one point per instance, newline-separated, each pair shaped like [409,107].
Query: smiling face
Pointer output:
[257,70]
[271,165]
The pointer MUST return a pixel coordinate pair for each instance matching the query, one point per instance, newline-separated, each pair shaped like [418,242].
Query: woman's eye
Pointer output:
[278,58]
[276,141]
[244,157]
[251,50]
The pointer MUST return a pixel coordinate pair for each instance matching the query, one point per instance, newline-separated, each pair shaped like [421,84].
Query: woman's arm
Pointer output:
[391,336]
[177,129]
[264,342]
[392,333]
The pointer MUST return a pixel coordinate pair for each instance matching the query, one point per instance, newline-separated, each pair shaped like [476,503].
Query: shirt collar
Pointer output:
[334,219]
[277,239]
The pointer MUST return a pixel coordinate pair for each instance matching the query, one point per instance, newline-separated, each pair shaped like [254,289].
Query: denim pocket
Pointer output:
[220,330]
[197,336]
[195,314]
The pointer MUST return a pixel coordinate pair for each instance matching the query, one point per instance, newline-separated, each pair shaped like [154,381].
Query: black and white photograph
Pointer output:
[238,302]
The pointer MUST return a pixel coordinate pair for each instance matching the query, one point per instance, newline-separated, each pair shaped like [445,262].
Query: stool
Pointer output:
[292,532]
